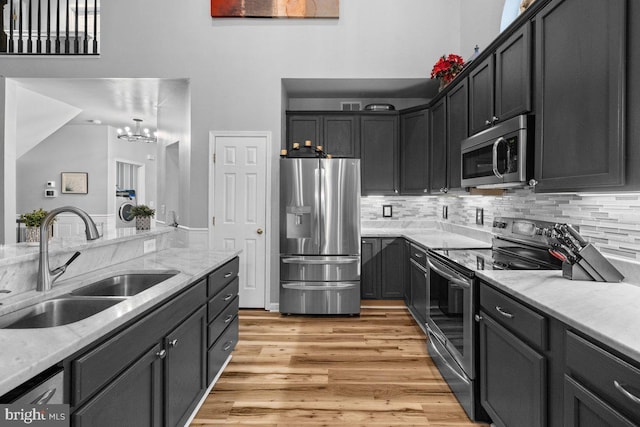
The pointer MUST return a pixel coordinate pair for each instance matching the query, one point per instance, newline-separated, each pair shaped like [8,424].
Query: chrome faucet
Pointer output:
[46,277]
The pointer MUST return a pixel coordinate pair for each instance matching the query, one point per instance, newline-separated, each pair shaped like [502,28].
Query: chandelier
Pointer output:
[137,134]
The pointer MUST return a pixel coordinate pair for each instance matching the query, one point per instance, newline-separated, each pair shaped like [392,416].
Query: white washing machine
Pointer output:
[125,201]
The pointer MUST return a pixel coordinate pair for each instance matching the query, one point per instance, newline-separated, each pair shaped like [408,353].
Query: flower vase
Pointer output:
[143,223]
[443,84]
[32,235]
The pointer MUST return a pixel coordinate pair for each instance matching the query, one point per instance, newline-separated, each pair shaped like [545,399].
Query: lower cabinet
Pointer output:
[155,371]
[185,368]
[133,399]
[512,377]
[382,274]
[418,283]
[537,371]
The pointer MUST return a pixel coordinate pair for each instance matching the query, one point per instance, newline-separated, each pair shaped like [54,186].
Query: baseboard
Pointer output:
[206,393]
[274,306]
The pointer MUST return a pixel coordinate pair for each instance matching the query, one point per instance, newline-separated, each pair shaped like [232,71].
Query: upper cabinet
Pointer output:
[580,94]
[438,138]
[337,133]
[379,154]
[301,128]
[414,152]
[341,135]
[500,86]
[457,130]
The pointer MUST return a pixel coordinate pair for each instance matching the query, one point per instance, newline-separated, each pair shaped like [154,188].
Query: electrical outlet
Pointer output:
[149,246]
[479,216]
[387,211]
[445,212]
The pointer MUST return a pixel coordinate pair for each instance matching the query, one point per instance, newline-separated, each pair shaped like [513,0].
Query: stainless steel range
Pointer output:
[518,244]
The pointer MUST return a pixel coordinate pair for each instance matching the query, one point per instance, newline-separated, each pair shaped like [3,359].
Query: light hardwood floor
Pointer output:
[331,371]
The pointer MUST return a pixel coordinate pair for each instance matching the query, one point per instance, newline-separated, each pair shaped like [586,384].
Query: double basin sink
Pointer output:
[84,302]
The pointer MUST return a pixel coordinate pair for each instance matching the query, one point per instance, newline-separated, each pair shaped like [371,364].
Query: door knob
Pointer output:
[260,231]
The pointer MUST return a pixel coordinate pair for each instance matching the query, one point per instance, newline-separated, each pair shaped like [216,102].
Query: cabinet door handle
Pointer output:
[227,346]
[625,393]
[477,318]
[228,318]
[504,313]
[228,297]
[418,255]
[161,354]
[494,119]
[173,342]
[226,276]
[487,122]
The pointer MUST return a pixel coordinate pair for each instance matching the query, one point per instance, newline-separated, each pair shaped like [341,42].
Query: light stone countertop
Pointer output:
[27,352]
[607,312]
[433,238]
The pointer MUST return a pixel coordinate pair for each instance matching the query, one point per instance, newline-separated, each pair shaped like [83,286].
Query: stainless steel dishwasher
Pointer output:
[46,388]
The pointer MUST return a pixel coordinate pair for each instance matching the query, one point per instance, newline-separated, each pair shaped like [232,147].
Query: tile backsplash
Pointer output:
[610,221]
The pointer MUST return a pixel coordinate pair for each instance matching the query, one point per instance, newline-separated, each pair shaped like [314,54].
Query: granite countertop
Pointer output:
[432,238]
[27,352]
[607,312]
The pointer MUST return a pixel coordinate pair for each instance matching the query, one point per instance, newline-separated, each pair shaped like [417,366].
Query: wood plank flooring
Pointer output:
[371,370]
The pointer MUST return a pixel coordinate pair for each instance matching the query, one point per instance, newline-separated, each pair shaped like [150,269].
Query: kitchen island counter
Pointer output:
[28,352]
[607,312]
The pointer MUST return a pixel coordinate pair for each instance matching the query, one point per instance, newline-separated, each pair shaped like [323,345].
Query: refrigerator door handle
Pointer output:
[302,260]
[324,287]
[317,210]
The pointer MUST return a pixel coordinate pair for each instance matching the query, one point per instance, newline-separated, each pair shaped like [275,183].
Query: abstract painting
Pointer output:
[275,8]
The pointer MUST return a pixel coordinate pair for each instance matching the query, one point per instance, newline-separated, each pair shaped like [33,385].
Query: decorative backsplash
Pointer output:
[610,221]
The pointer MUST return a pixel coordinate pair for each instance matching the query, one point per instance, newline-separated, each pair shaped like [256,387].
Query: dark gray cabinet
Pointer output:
[337,133]
[407,273]
[513,75]
[414,152]
[481,96]
[185,368]
[370,272]
[301,128]
[438,140]
[457,130]
[512,377]
[382,274]
[500,86]
[580,94]
[609,394]
[392,258]
[418,283]
[341,135]
[379,154]
[584,409]
[134,398]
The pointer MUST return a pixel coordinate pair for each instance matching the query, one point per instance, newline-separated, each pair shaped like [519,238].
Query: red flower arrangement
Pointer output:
[447,67]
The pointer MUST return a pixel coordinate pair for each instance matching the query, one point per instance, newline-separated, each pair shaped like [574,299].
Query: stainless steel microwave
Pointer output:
[499,157]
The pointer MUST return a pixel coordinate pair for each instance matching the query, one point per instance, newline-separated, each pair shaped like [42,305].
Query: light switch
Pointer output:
[387,211]
[479,216]
[445,212]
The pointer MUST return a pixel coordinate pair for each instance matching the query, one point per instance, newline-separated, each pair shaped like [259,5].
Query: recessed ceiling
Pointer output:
[360,88]
[114,102]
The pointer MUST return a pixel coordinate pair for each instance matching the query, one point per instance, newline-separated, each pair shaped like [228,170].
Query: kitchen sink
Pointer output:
[57,312]
[125,285]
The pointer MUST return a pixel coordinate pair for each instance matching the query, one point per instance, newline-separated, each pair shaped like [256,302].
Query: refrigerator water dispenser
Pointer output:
[299,222]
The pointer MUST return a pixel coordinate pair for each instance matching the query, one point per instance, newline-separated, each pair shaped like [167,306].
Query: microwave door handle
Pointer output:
[496,172]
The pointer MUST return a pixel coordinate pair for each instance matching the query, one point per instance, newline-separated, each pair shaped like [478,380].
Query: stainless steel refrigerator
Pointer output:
[320,236]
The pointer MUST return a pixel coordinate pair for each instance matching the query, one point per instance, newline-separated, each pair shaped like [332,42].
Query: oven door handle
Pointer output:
[496,172]
[449,276]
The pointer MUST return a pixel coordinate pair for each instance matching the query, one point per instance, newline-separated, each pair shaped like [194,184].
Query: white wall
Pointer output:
[479,23]
[72,148]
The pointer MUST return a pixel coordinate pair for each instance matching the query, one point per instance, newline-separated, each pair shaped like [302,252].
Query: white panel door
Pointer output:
[239,208]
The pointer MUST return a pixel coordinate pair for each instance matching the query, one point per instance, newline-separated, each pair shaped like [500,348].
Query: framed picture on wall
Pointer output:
[75,182]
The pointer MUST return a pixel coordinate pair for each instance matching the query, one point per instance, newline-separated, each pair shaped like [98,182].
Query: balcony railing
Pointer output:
[50,27]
